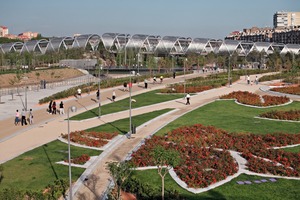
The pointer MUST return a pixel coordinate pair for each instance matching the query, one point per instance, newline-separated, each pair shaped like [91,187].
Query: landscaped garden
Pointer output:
[36,172]
[288,90]
[44,177]
[205,159]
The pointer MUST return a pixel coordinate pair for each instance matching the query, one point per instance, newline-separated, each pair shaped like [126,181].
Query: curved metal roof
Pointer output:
[172,45]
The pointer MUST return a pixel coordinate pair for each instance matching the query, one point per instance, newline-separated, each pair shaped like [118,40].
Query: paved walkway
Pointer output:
[49,127]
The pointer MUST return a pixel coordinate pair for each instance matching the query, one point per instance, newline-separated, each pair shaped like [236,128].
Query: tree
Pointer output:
[164,159]
[120,171]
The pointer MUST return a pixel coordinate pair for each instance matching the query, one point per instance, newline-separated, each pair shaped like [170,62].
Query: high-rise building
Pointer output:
[286,19]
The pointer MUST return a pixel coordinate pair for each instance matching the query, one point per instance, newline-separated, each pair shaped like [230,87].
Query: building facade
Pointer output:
[3,31]
[286,19]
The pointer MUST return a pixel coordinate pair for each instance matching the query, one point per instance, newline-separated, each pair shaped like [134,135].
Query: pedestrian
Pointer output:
[113,96]
[146,83]
[248,79]
[17,117]
[61,108]
[23,117]
[154,80]
[125,86]
[174,75]
[30,117]
[256,80]
[79,92]
[188,96]
[98,94]
[53,108]
[50,107]
[161,79]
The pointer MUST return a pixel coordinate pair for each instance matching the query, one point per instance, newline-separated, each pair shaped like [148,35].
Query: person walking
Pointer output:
[17,117]
[146,83]
[248,79]
[161,79]
[30,117]
[154,80]
[98,94]
[23,117]
[256,80]
[50,107]
[54,108]
[79,92]
[174,75]
[113,96]
[61,108]
[188,96]
[125,86]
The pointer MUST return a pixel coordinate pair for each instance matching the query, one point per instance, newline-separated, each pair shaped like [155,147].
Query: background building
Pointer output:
[286,19]
[286,30]
[3,31]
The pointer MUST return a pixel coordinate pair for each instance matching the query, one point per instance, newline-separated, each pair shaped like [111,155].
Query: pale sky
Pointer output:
[187,18]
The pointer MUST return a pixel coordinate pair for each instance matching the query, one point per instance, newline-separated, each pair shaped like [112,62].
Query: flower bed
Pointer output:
[293,115]
[92,139]
[203,163]
[249,98]
[288,90]
[81,160]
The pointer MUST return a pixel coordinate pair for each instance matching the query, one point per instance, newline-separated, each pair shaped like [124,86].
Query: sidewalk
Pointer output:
[44,122]
[12,137]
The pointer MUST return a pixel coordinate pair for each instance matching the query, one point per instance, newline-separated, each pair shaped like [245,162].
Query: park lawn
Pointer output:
[282,189]
[145,99]
[35,169]
[122,126]
[292,149]
[227,115]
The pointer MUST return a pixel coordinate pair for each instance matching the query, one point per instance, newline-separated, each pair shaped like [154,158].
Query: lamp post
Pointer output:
[130,121]
[99,99]
[184,76]
[229,68]
[73,109]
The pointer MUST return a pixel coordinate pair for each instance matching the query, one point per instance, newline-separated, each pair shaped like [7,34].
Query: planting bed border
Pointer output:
[236,101]
[279,120]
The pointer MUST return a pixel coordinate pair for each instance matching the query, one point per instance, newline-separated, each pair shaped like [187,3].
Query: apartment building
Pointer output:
[3,31]
[286,19]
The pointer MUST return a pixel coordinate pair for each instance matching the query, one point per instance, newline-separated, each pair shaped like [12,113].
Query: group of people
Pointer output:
[250,82]
[22,117]
[52,108]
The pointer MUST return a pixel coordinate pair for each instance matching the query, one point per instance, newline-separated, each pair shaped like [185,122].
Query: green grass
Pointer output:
[282,189]
[122,126]
[292,149]
[35,169]
[144,99]
[232,117]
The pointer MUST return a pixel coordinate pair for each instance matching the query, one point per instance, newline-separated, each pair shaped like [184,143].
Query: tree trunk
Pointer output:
[163,188]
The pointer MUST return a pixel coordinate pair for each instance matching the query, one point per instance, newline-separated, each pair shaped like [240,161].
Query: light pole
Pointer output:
[130,121]
[184,76]
[73,109]
[229,77]
[99,100]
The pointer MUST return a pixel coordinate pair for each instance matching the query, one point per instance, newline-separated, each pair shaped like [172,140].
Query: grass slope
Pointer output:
[228,115]
[144,99]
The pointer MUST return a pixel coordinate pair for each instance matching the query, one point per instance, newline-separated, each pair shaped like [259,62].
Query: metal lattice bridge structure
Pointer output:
[149,44]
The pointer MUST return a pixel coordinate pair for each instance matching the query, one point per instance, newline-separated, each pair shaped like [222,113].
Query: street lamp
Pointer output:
[99,101]
[130,121]
[229,69]
[73,109]
[184,76]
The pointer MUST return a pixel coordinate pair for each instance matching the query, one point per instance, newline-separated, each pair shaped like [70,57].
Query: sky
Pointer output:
[213,19]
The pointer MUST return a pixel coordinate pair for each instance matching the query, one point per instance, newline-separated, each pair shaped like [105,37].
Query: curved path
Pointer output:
[49,127]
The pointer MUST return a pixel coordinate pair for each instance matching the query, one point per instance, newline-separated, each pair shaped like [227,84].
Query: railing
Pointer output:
[50,85]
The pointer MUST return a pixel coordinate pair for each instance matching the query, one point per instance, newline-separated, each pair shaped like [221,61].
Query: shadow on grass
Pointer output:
[53,170]
[121,131]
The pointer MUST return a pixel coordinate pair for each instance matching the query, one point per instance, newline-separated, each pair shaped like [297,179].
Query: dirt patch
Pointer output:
[50,75]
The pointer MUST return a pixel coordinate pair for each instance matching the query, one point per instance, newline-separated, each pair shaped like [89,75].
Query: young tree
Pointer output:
[119,171]
[164,159]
